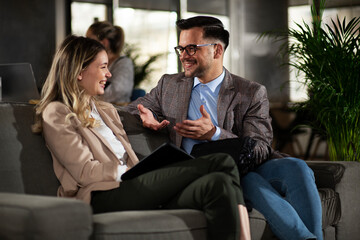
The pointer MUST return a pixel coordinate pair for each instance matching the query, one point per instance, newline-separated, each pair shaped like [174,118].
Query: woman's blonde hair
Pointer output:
[61,84]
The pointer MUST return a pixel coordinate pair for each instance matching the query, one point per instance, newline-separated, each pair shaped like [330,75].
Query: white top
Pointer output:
[115,144]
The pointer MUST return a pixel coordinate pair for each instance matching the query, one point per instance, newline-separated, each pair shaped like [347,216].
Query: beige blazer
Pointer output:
[83,160]
[242,109]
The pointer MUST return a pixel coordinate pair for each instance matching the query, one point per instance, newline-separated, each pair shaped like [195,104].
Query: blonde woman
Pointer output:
[91,151]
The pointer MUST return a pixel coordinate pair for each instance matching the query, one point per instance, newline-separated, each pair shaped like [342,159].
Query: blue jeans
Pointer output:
[284,191]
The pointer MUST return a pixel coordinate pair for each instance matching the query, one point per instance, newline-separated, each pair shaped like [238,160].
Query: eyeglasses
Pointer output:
[190,49]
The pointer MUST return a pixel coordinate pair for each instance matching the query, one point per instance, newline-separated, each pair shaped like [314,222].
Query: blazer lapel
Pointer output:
[120,133]
[226,96]
[183,89]
[103,140]
[77,123]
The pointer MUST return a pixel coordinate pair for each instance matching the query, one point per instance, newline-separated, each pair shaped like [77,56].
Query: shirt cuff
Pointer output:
[216,135]
[121,169]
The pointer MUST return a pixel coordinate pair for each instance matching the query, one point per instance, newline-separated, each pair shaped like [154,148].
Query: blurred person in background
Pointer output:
[120,86]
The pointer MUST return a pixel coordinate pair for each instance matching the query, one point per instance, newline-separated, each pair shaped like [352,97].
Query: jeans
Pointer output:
[284,191]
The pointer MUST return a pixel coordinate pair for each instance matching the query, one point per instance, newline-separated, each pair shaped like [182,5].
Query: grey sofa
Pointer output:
[29,208]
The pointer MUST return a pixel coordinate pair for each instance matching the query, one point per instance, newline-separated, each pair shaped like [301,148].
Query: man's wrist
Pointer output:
[216,134]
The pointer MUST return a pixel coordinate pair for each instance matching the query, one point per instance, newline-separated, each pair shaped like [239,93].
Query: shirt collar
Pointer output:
[212,84]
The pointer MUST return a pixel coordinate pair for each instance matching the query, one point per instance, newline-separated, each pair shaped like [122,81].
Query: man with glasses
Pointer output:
[208,103]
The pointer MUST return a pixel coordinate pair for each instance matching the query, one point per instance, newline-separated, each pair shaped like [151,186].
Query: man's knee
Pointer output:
[290,163]
[293,169]
[299,166]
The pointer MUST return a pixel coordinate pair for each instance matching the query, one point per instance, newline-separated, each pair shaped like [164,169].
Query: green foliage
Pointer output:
[142,69]
[329,58]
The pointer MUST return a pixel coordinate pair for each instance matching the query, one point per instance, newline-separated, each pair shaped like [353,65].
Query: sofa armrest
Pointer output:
[344,178]
[42,217]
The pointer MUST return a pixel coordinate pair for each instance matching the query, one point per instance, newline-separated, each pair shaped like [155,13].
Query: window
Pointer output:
[298,92]
[152,32]
[84,14]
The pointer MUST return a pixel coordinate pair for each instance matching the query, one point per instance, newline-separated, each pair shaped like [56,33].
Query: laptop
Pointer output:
[165,154]
[18,83]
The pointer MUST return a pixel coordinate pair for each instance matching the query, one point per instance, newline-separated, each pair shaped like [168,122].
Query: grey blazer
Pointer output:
[243,108]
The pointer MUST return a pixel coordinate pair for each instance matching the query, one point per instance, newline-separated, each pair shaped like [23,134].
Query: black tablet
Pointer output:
[166,154]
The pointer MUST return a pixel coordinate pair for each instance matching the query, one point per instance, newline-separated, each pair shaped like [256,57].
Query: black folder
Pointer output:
[166,154]
[240,149]
[231,146]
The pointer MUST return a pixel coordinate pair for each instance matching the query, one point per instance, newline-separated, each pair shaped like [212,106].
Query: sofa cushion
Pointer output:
[159,224]
[25,162]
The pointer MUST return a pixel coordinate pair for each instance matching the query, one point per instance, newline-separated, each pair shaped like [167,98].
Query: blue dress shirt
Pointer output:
[207,95]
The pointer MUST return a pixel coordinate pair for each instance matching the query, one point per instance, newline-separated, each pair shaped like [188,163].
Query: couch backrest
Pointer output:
[25,162]
[143,140]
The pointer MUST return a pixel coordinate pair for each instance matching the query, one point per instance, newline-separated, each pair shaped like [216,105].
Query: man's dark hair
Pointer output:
[213,27]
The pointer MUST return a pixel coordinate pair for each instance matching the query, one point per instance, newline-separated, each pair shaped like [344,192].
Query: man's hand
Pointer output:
[148,119]
[200,129]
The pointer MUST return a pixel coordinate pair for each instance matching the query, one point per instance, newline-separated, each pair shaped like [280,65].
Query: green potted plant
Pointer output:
[328,56]
[142,69]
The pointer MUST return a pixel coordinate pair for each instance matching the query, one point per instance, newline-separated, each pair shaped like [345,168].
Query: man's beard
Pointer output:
[197,72]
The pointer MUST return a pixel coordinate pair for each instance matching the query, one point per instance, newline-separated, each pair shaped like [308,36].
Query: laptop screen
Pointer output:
[18,83]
